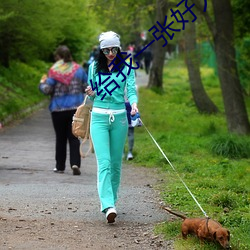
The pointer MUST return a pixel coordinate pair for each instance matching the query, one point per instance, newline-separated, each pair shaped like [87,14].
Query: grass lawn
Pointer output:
[214,164]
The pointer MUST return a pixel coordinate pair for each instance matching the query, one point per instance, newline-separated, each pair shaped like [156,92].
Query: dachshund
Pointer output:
[204,229]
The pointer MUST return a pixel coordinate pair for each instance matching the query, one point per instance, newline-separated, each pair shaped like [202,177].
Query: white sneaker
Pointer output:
[130,156]
[58,171]
[111,214]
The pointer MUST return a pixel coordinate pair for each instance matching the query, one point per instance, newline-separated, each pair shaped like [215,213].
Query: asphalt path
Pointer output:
[26,164]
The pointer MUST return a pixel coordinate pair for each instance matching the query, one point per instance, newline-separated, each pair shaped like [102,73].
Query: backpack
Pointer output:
[81,126]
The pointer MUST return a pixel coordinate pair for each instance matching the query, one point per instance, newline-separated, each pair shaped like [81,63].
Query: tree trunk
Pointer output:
[201,99]
[235,109]
[156,71]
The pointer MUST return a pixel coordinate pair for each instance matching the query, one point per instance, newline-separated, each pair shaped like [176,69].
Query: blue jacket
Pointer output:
[65,97]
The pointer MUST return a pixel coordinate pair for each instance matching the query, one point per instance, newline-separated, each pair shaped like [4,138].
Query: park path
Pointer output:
[40,209]
[141,78]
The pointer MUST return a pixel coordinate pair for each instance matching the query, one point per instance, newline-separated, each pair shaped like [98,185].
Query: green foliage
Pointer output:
[208,58]
[128,18]
[243,60]
[241,17]
[231,146]
[242,37]
[219,183]
[29,33]
[223,200]
[19,87]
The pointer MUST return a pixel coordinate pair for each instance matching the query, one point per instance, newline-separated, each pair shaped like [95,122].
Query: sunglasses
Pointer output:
[107,51]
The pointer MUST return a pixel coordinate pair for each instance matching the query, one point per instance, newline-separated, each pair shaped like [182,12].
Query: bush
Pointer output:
[19,88]
[231,146]
[224,200]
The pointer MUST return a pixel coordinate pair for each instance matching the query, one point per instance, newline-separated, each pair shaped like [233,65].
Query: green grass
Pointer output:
[19,87]
[214,164]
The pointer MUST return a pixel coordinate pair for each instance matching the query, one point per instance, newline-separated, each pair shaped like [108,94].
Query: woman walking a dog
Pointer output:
[109,123]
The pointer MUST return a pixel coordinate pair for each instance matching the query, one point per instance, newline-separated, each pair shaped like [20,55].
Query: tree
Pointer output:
[156,71]
[28,33]
[201,99]
[127,18]
[223,38]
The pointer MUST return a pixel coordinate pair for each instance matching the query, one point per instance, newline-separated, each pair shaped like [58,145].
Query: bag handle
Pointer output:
[85,99]
[83,155]
[85,139]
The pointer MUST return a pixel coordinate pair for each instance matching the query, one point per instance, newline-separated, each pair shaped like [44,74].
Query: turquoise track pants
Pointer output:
[108,136]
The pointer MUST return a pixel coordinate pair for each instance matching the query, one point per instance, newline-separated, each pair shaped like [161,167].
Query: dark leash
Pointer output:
[207,218]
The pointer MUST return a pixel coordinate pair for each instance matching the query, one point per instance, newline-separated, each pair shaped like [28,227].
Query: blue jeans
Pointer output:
[108,139]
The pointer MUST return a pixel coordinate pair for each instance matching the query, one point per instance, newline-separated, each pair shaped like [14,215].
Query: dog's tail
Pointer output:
[175,213]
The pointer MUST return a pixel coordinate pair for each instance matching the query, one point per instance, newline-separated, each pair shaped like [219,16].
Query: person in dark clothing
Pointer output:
[140,56]
[65,84]
[147,54]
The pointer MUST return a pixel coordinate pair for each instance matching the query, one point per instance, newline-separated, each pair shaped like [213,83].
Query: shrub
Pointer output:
[223,200]
[231,146]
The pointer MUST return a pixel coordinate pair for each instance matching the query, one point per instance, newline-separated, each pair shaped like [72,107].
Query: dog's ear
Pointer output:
[214,235]
[228,237]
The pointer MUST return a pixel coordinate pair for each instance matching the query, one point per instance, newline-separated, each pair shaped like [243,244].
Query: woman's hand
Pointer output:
[89,91]
[43,79]
[134,109]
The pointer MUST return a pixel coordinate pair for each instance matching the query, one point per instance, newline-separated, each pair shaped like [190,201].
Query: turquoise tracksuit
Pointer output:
[109,129]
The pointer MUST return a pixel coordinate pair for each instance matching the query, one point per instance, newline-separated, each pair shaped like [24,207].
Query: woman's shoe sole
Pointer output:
[111,217]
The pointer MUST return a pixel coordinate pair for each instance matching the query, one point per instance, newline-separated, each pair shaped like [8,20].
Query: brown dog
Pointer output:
[204,229]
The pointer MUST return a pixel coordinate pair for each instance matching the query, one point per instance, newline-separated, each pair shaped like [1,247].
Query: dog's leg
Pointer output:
[184,235]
